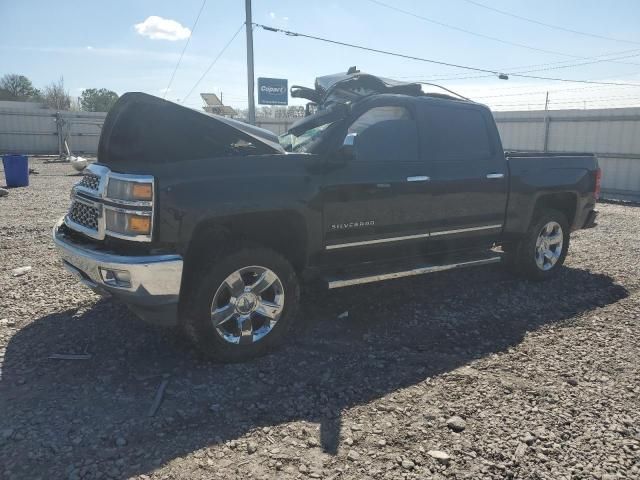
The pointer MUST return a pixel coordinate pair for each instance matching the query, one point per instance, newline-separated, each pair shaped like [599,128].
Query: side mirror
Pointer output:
[348,149]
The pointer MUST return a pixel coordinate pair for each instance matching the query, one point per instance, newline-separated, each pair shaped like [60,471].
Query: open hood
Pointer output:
[144,129]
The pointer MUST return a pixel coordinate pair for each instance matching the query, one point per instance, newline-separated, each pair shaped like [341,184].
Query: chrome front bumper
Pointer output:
[152,289]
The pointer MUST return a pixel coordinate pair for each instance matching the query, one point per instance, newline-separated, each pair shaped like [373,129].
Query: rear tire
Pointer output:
[243,305]
[540,253]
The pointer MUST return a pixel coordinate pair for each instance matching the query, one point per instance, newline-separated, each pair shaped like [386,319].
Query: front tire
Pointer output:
[243,305]
[540,253]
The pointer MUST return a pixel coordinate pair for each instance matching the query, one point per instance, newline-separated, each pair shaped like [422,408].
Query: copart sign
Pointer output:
[273,91]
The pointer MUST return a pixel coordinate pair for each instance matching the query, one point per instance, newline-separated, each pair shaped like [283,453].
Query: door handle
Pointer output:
[495,175]
[418,178]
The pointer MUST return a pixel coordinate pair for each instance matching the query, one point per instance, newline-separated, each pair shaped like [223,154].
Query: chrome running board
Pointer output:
[421,270]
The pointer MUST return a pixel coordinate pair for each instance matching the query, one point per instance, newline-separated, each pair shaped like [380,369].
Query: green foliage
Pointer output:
[98,100]
[18,88]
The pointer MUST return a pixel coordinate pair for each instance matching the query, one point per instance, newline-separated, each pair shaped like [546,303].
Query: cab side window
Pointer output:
[377,115]
[386,134]
[457,134]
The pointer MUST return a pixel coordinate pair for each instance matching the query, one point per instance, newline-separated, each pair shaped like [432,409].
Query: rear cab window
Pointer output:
[455,134]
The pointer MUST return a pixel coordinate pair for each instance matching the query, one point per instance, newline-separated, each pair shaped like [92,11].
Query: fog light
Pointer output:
[116,278]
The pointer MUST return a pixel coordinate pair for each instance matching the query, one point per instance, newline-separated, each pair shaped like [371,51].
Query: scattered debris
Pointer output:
[440,456]
[529,439]
[521,449]
[70,356]
[457,424]
[343,315]
[407,464]
[33,171]
[78,163]
[18,272]
[158,398]
[4,192]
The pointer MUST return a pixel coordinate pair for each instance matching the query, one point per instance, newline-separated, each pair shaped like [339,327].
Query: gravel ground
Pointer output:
[470,374]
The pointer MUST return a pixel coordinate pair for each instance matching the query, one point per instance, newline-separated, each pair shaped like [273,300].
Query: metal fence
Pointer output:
[612,134]
[26,128]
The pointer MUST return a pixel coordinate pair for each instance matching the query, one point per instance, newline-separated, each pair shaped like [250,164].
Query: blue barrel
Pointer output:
[16,170]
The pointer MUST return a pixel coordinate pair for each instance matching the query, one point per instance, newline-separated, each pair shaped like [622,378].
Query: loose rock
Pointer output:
[457,424]
[440,456]
[18,272]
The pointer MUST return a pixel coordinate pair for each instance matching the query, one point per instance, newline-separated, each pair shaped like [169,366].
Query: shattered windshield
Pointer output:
[302,142]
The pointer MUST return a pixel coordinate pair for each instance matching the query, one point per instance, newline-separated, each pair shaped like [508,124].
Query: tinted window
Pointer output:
[457,134]
[377,115]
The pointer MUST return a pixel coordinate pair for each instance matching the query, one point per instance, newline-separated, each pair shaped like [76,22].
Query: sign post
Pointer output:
[273,91]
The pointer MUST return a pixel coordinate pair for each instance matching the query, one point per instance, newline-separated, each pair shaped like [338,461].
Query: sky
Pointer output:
[134,46]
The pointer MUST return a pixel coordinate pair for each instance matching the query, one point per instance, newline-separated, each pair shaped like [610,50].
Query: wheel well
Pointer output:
[564,202]
[283,232]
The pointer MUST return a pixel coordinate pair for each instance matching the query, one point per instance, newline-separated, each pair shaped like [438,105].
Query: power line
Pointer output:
[549,25]
[470,32]
[214,61]
[571,65]
[464,30]
[374,50]
[500,75]
[193,29]
[447,76]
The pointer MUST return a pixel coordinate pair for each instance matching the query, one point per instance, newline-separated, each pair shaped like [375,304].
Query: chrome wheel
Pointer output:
[247,305]
[549,246]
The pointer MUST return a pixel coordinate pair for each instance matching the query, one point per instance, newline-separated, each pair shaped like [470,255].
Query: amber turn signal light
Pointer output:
[142,191]
[140,224]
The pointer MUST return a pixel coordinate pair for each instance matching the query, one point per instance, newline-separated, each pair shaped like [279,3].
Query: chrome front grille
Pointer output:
[90,181]
[91,202]
[84,215]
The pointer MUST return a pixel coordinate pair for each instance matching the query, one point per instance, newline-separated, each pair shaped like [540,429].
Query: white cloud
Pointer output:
[158,28]
[274,17]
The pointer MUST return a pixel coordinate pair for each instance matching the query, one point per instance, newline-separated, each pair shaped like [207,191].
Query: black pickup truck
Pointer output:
[211,224]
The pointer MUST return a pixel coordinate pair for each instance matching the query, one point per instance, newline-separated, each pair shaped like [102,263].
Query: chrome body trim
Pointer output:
[376,241]
[408,273]
[412,237]
[463,230]
[418,178]
[97,199]
[495,175]
[155,279]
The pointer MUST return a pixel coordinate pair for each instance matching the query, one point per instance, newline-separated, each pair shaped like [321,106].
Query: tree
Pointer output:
[56,97]
[17,87]
[98,100]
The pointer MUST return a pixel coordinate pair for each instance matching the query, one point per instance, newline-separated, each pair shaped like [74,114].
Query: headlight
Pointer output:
[128,223]
[130,213]
[130,191]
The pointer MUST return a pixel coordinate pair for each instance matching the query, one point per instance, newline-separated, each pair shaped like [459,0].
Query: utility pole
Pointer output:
[250,88]
[546,102]
[547,122]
